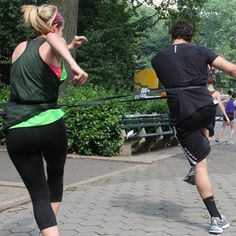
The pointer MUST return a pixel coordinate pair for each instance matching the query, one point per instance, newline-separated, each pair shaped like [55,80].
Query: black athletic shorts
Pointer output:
[230,115]
[211,128]
[194,144]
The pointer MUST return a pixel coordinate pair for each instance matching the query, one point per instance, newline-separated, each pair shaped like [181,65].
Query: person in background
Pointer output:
[217,100]
[230,109]
[183,68]
[33,123]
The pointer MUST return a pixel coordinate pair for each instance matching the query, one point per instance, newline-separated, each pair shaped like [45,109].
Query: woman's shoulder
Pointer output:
[19,50]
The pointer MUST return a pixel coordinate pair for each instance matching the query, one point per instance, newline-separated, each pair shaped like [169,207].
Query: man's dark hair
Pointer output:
[182,30]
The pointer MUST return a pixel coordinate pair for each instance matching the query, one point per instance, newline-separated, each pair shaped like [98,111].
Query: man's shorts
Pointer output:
[194,144]
[211,128]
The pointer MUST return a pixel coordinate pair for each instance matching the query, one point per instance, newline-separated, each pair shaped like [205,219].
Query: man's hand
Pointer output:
[76,42]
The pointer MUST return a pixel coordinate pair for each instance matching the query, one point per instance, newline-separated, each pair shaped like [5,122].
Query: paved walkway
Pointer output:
[138,200]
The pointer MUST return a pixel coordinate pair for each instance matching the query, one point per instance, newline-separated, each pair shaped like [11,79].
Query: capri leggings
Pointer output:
[27,147]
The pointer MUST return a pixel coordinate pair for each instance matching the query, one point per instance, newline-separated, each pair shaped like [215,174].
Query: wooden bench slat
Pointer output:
[134,120]
[138,136]
[133,126]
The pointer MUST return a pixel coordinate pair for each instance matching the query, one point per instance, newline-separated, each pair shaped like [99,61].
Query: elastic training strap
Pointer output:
[144,95]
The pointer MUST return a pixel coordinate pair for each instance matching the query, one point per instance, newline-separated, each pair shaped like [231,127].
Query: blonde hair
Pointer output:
[39,17]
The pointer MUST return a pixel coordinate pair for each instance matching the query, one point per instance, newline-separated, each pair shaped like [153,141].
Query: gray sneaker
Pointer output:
[190,177]
[218,225]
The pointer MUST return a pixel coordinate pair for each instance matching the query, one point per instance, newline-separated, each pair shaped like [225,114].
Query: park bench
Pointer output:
[145,132]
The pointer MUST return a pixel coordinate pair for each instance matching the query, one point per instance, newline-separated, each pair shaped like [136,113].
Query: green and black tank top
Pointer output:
[34,90]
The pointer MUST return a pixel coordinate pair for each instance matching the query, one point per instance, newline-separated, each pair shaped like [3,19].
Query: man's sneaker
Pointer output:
[218,225]
[217,140]
[190,177]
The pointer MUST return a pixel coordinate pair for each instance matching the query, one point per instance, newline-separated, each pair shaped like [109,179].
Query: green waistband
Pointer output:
[44,118]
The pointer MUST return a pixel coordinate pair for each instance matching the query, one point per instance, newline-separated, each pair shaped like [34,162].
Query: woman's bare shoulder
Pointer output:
[19,50]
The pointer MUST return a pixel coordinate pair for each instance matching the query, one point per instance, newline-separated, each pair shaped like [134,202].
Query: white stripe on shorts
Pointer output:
[190,157]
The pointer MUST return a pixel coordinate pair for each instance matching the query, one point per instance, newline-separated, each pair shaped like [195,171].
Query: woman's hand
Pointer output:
[80,76]
[227,120]
[76,42]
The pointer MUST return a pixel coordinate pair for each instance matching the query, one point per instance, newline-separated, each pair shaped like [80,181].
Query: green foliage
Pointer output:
[218,32]
[188,10]
[145,107]
[112,35]
[12,31]
[4,91]
[157,36]
[95,129]
[219,27]
[176,10]
[92,129]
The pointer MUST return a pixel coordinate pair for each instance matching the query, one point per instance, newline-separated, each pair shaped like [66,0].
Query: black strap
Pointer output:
[116,98]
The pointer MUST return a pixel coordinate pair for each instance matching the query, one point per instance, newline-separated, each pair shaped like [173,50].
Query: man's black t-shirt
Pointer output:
[183,65]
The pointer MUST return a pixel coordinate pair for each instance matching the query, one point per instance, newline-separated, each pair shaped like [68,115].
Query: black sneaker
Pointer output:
[190,177]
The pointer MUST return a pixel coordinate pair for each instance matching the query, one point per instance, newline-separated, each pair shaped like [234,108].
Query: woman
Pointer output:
[34,125]
[209,132]
[230,111]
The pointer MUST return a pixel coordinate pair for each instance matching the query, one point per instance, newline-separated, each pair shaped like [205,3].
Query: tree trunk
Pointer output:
[69,11]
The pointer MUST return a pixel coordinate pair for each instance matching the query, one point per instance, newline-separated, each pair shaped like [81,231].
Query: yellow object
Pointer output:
[146,78]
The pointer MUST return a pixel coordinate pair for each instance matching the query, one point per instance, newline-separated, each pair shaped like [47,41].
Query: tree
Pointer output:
[218,32]
[113,36]
[153,38]
[69,10]
[173,10]
[12,31]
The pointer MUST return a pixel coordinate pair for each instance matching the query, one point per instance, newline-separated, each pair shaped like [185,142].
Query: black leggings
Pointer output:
[27,147]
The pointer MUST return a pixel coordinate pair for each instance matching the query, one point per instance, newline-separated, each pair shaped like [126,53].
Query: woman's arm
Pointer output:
[60,48]
[76,42]
[221,106]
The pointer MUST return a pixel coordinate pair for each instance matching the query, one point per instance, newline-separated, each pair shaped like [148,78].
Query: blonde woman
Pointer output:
[34,125]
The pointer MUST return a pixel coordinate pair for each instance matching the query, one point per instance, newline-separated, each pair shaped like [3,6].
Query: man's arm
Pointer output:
[221,64]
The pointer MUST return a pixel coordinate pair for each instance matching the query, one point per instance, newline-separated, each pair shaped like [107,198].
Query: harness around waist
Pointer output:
[14,113]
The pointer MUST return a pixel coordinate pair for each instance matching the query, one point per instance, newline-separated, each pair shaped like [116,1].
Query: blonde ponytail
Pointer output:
[40,18]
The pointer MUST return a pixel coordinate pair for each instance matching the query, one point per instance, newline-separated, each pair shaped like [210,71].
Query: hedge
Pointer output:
[95,128]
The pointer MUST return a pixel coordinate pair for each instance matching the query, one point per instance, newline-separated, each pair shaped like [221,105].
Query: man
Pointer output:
[182,69]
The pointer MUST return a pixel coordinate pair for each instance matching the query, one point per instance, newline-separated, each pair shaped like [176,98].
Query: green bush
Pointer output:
[146,106]
[94,128]
[4,91]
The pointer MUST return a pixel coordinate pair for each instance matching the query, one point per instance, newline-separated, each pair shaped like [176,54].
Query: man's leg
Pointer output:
[202,179]
[190,177]
[196,148]
[204,187]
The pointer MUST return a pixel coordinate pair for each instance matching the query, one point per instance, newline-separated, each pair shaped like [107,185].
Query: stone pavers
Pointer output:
[146,200]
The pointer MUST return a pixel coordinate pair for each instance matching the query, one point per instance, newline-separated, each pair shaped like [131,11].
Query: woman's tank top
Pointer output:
[34,87]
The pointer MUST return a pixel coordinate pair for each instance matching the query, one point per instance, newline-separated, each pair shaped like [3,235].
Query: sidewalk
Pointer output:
[138,199]
[11,182]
